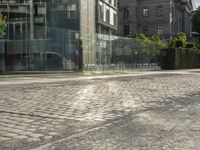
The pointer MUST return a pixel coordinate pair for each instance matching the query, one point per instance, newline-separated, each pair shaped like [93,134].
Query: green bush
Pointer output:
[149,45]
[178,41]
[190,45]
[178,44]
[180,58]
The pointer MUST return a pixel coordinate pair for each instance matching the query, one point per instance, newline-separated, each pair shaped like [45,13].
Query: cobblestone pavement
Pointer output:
[160,128]
[35,114]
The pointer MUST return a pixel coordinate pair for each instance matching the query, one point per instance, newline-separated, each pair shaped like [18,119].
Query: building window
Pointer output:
[172,12]
[108,15]
[145,30]
[115,3]
[126,30]
[101,12]
[126,12]
[114,19]
[159,11]
[71,10]
[145,12]
[160,29]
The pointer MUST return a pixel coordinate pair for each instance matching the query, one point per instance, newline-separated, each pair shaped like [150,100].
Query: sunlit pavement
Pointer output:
[146,110]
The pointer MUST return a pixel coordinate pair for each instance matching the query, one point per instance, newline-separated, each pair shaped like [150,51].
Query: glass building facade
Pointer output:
[47,31]
[60,35]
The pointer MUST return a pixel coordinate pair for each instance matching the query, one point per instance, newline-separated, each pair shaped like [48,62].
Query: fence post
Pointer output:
[91,53]
[3,58]
[80,55]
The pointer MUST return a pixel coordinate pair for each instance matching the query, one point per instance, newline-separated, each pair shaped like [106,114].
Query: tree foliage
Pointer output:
[179,38]
[156,38]
[141,36]
[196,21]
[182,37]
[3,25]
[149,45]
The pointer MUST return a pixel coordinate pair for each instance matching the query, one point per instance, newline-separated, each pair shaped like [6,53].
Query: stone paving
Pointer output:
[39,113]
[166,127]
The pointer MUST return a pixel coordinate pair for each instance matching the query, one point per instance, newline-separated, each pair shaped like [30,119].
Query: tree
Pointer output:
[182,37]
[179,39]
[157,43]
[196,21]
[156,38]
[149,45]
[172,42]
[3,25]
[141,36]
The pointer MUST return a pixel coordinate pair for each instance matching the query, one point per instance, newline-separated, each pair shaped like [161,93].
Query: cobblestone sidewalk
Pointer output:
[38,113]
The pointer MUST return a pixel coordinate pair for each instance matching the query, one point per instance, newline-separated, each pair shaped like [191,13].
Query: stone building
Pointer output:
[166,17]
[106,16]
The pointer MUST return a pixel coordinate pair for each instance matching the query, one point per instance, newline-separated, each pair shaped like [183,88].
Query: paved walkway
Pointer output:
[35,111]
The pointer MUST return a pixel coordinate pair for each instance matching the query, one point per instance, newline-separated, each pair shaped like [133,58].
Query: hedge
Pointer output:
[180,58]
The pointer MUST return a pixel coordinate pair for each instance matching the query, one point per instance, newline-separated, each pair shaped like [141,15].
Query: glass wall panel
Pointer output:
[69,50]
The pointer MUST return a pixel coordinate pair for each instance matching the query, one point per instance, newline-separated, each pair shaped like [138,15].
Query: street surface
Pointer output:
[144,111]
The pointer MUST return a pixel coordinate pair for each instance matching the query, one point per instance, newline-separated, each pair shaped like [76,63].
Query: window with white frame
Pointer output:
[101,11]
[159,11]
[71,10]
[160,29]
[145,12]
[115,19]
[107,15]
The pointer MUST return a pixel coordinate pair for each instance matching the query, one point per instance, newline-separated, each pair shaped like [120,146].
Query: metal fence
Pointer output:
[66,50]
